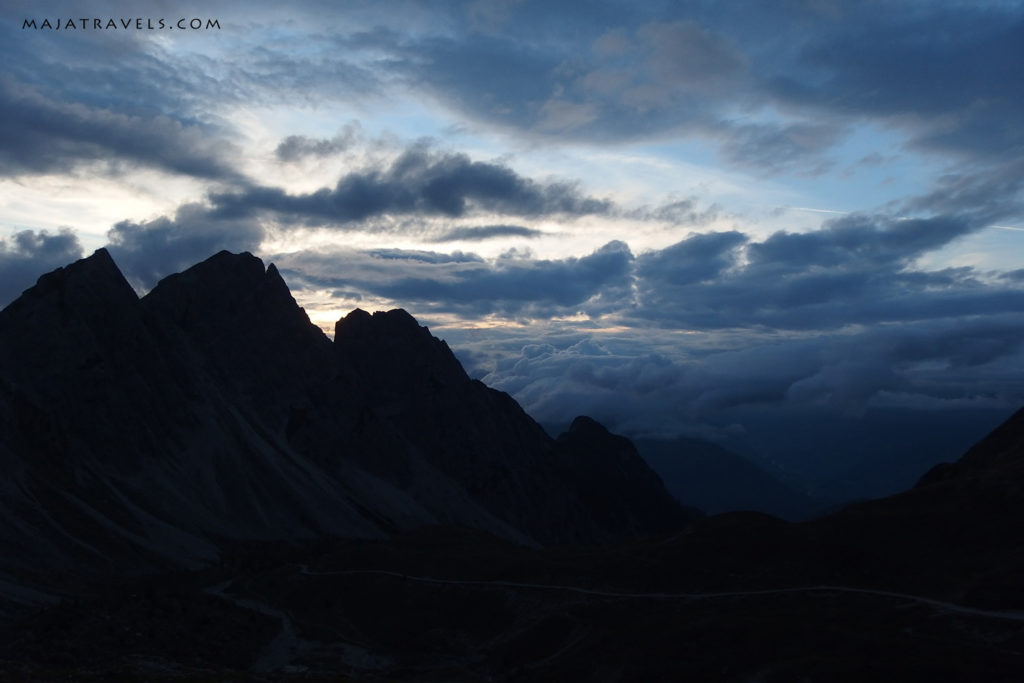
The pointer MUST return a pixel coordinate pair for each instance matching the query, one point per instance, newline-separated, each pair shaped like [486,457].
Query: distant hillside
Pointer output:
[709,477]
[845,458]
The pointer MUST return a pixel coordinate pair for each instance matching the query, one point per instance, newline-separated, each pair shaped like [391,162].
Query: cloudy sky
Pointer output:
[664,214]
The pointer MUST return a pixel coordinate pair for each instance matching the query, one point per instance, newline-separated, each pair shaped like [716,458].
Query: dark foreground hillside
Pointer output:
[736,598]
[920,586]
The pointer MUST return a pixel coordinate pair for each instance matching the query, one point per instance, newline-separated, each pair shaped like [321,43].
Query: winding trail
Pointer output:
[948,607]
[285,646]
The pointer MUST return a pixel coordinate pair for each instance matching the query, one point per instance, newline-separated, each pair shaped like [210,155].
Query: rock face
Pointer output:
[619,471]
[135,432]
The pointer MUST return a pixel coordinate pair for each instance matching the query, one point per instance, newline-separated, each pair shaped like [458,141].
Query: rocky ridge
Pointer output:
[137,432]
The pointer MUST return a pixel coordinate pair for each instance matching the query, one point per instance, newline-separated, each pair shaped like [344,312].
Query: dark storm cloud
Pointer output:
[874,241]
[1014,275]
[296,147]
[67,104]
[418,182]
[116,100]
[479,233]
[962,343]
[129,72]
[621,74]
[503,80]
[687,54]
[991,193]
[416,186]
[653,77]
[42,135]
[776,86]
[465,283]
[699,257]
[854,271]
[516,286]
[28,254]
[153,249]
[120,73]
[954,70]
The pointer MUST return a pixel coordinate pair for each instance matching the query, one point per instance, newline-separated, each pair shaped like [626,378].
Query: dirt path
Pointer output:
[948,607]
[285,646]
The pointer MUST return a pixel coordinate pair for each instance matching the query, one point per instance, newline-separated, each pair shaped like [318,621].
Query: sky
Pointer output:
[669,215]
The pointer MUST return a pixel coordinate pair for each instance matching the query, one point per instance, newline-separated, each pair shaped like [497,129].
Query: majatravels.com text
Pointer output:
[138,24]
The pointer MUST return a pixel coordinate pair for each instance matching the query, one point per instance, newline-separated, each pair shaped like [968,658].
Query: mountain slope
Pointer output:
[611,465]
[717,480]
[958,533]
[919,586]
[1000,453]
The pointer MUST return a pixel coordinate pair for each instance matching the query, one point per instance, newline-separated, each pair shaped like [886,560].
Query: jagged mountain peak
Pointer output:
[233,302]
[225,281]
[73,289]
[614,468]
[83,318]
[99,264]
[398,352]
[394,324]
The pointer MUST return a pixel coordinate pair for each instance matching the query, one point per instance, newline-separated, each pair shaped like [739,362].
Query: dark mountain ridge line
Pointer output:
[135,432]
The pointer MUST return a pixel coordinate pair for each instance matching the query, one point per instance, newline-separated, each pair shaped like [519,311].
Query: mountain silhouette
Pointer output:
[137,432]
[716,480]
